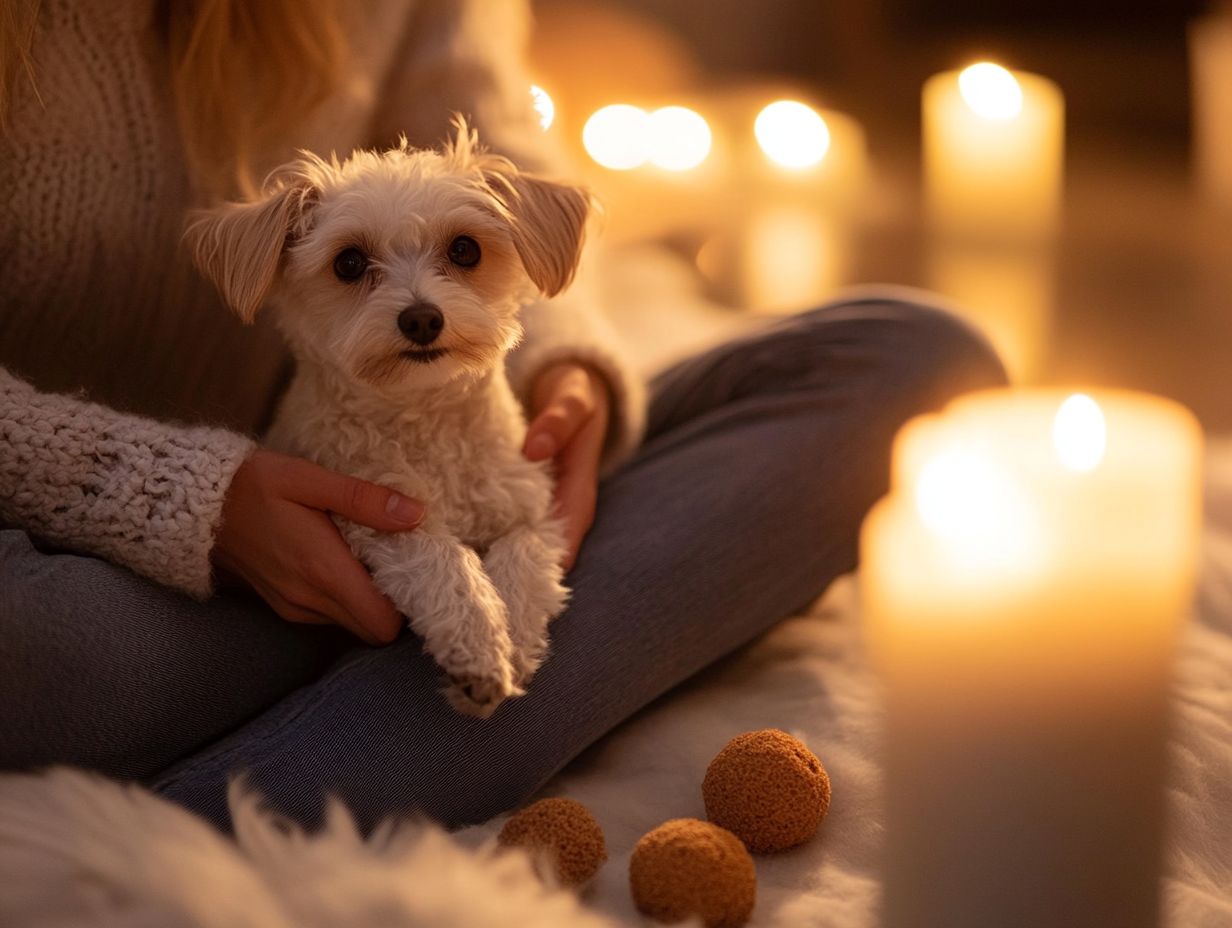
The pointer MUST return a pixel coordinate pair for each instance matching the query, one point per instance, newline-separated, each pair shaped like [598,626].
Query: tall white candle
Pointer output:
[1023,583]
[993,151]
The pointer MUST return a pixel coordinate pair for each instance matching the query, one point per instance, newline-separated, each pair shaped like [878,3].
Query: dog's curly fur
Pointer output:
[481,578]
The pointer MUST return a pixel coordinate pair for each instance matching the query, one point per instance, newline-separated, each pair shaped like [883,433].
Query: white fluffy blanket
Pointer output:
[77,851]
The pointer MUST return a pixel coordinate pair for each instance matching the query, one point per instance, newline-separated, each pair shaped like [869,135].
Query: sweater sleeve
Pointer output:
[139,493]
[467,56]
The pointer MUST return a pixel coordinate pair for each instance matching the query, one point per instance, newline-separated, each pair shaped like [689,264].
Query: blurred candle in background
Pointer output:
[993,162]
[1024,582]
[993,150]
[783,258]
[1210,44]
[797,176]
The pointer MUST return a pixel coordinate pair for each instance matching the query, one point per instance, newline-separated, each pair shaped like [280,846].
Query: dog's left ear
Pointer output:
[548,222]
[239,245]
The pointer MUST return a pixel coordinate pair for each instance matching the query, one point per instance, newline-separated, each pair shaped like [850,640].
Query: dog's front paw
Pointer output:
[526,661]
[479,695]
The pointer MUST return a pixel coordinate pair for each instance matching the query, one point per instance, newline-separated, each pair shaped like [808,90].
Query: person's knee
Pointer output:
[943,351]
[911,347]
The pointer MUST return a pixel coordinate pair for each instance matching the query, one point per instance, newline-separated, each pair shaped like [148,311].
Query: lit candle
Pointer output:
[1210,43]
[654,169]
[703,169]
[796,180]
[1023,584]
[993,149]
[820,153]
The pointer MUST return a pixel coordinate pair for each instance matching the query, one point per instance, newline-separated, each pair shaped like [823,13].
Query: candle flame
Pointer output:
[792,134]
[1080,433]
[679,138]
[543,105]
[991,91]
[618,136]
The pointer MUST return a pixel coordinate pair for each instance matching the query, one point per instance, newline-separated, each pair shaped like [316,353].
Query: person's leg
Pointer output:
[742,506]
[102,669]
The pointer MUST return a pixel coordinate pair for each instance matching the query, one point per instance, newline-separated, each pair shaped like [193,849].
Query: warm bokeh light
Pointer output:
[953,494]
[543,105]
[1080,433]
[976,509]
[792,134]
[991,91]
[679,138]
[618,137]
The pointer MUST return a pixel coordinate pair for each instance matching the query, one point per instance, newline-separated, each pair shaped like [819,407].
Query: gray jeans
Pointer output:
[744,503]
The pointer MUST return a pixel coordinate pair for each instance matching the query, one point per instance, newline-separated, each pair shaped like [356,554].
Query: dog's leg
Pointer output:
[524,565]
[440,585]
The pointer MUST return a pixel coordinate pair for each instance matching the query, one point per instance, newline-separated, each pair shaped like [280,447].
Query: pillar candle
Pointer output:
[1023,582]
[993,150]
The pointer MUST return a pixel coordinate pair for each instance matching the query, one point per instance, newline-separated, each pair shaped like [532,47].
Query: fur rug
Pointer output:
[78,850]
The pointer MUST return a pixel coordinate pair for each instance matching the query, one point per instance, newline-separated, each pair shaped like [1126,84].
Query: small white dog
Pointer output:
[397,278]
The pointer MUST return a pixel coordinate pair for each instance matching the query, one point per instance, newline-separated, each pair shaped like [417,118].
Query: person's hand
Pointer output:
[570,408]
[277,537]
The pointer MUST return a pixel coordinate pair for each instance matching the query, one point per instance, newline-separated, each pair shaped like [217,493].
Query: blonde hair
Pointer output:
[17,19]
[243,74]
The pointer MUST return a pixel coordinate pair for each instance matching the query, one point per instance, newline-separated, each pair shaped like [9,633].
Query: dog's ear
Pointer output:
[548,222]
[238,245]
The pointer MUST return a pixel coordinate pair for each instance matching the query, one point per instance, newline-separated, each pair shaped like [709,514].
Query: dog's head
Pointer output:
[401,268]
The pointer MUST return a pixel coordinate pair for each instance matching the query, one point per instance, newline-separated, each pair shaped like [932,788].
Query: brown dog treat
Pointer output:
[561,832]
[687,867]
[768,789]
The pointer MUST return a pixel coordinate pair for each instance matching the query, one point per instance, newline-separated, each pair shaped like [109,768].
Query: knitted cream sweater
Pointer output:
[128,393]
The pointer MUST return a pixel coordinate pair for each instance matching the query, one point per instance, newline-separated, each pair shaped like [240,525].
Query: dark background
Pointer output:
[1143,286]
[1122,64]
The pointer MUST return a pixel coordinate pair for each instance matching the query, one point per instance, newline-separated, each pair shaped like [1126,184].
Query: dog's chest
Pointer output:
[463,460]
[479,496]
[476,483]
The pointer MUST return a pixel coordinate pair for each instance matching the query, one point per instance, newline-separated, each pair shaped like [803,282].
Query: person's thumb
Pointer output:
[360,501]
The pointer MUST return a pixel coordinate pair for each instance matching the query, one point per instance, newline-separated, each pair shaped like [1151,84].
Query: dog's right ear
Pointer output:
[238,245]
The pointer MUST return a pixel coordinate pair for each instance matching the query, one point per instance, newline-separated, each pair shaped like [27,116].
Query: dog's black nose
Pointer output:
[421,323]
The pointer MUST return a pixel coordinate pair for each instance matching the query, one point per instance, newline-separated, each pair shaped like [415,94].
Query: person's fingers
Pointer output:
[575,502]
[360,501]
[554,427]
[349,586]
[291,611]
[309,606]
[330,580]
[577,487]
[565,401]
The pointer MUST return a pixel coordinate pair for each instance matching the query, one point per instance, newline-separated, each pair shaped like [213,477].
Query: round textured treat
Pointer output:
[687,867]
[768,789]
[561,832]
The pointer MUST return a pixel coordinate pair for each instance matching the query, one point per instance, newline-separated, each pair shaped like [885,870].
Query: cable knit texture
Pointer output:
[126,487]
[98,298]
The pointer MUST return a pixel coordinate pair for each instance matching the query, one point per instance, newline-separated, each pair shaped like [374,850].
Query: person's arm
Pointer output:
[171,502]
[131,490]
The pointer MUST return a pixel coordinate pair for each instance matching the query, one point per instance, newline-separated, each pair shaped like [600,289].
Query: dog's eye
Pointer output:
[464,251]
[350,264]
